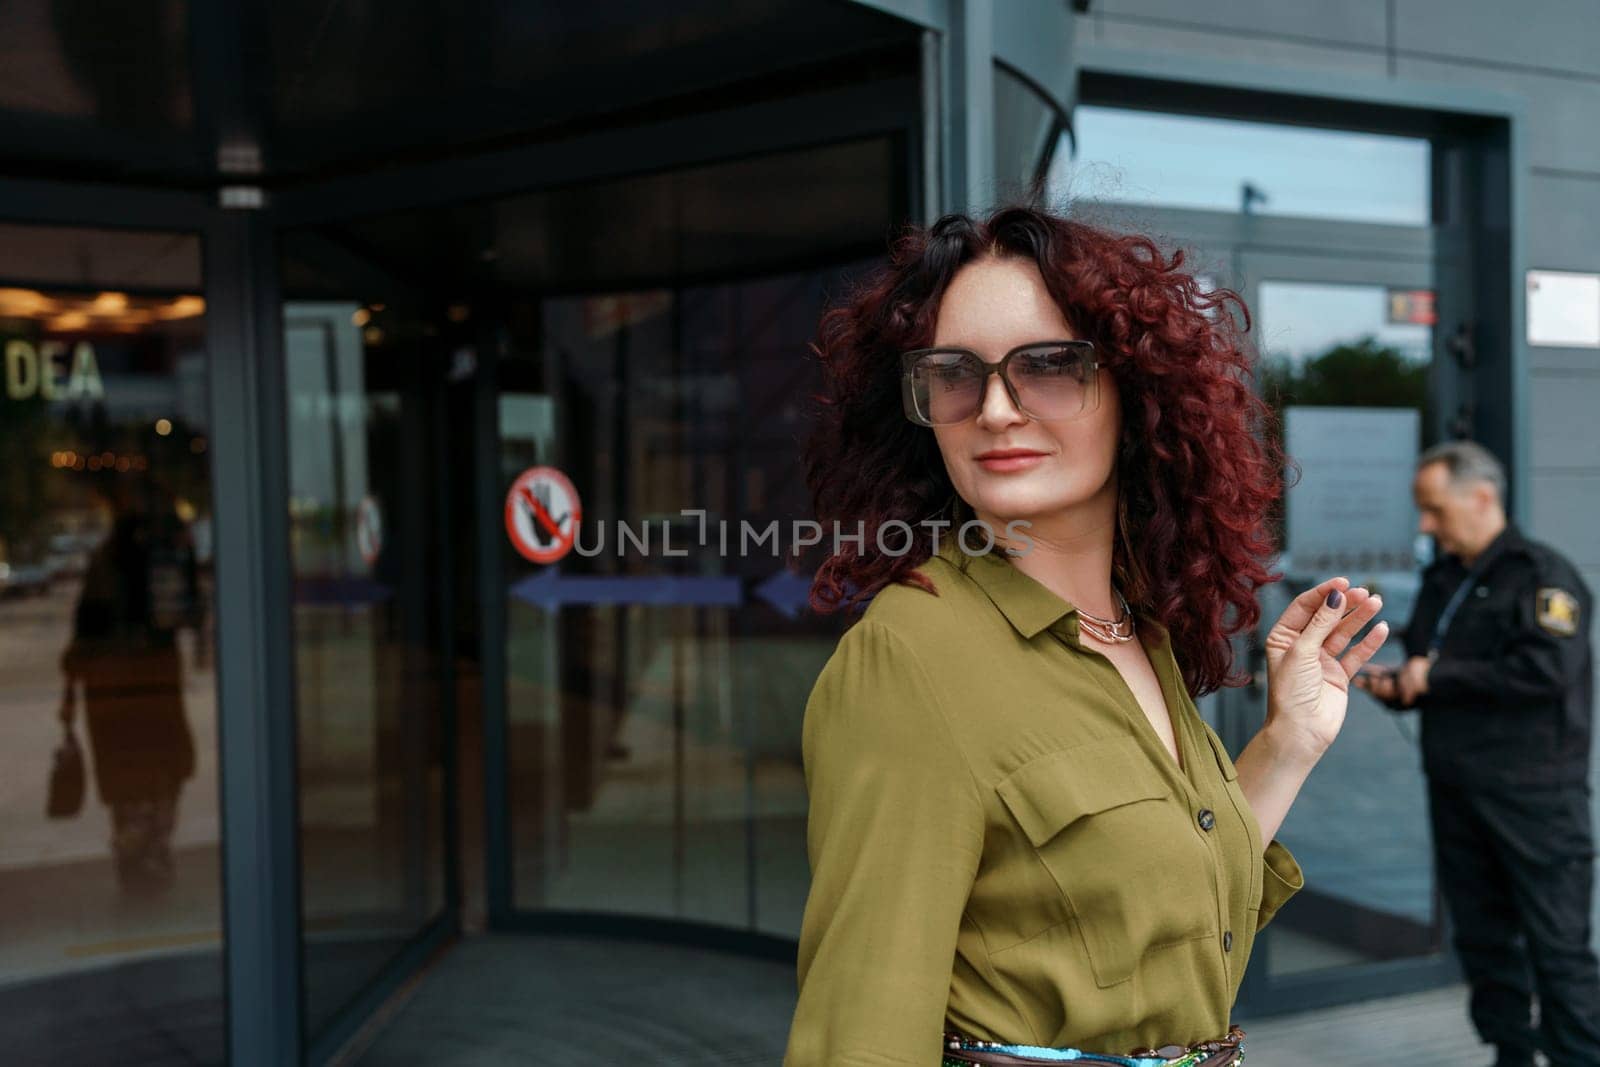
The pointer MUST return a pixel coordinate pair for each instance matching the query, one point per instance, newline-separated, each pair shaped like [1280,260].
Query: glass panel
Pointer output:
[1185,161]
[654,699]
[648,338]
[666,730]
[1347,366]
[112,943]
[362,424]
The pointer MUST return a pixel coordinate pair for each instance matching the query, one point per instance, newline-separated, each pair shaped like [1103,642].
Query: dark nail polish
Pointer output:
[1335,598]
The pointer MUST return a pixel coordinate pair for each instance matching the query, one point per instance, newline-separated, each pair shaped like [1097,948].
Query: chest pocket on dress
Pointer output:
[1120,848]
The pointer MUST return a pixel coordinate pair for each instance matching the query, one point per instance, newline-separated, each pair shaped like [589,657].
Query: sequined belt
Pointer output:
[960,1051]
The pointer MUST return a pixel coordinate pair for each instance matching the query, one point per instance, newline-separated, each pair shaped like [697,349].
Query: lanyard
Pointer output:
[1454,605]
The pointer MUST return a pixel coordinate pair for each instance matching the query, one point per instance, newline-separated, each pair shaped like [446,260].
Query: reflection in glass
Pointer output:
[655,746]
[1025,125]
[140,586]
[1186,161]
[112,911]
[365,636]
[1318,320]
[656,355]
[1349,376]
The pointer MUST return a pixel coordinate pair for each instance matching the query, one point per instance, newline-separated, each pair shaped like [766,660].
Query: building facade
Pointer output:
[399,445]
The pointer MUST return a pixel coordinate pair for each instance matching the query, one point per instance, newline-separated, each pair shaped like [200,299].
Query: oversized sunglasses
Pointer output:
[1046,380]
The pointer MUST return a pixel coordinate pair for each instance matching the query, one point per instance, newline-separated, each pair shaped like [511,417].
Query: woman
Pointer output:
[139,588]
[1020,830]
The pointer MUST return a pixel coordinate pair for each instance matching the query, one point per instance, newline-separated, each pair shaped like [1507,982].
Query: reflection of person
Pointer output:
[1499,663]
[1020,829]
[139,588]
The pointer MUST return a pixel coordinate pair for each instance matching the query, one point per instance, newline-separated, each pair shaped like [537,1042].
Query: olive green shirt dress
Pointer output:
[999,840]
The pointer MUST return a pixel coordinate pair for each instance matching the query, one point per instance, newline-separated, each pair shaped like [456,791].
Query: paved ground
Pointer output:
[1421,1030]
[521,1000]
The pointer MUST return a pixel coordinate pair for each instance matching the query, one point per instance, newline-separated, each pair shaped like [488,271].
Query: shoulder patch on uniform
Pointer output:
[1558,611]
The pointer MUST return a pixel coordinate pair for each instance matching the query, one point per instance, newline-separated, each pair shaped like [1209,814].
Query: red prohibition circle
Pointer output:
[521,499]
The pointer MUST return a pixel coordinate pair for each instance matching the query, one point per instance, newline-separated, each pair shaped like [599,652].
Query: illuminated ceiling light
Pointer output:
[361,317]
[163,427]
[25,303]
[94,463]
[183,307]
[109,304]
[69,320]
[372,335]
[123,463]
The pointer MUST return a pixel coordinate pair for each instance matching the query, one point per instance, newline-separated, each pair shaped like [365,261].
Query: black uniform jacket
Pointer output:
[1509,697]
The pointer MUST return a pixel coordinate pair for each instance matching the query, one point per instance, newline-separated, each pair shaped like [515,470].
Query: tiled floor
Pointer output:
[527,1000]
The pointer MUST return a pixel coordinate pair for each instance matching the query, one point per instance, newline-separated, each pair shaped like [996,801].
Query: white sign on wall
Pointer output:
[1351,509]
[1563,309]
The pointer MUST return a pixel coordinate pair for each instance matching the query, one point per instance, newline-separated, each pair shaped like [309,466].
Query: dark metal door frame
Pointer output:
[1242,710]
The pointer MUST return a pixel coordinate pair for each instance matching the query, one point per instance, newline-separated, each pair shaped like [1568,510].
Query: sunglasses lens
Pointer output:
[1050,381]
[1053,381]
[948,387]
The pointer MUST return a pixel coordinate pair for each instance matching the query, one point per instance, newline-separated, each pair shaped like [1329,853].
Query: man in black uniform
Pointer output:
[1498,662]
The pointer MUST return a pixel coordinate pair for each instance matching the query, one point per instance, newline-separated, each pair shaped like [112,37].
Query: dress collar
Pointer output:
[1027,605]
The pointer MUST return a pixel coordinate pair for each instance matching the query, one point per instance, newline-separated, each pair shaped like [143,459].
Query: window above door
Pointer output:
[1225,164]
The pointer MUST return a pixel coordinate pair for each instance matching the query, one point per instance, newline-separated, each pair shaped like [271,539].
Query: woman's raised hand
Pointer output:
[1310,661]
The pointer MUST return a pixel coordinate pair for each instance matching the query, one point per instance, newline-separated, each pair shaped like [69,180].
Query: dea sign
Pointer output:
[49,370]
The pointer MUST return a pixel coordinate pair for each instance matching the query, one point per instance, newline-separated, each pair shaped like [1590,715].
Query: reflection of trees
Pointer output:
[1356,374]
[1360,374]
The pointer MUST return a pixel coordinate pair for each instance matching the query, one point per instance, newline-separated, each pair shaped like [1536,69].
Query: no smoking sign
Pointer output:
[542,513]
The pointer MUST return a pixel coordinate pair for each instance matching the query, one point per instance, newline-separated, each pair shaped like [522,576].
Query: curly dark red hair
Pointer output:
[1199,475]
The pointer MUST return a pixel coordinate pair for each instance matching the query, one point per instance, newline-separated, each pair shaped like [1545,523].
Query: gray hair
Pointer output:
[1467,462]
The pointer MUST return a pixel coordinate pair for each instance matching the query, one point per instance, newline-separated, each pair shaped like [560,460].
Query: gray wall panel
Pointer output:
[1563,223]
[1225,44]
[1565,509]
[1566,408]
[1560,111]
[1358,23]
[1552,34]
[1565,361]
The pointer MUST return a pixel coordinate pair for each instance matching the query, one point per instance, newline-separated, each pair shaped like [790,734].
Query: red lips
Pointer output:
[1009,453]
